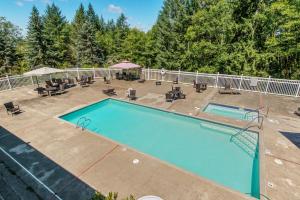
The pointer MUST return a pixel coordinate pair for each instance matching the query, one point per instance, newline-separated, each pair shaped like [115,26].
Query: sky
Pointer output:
[140,13]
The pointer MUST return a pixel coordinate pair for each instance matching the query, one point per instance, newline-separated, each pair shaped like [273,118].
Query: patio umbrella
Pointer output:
[42,71]
[125,65]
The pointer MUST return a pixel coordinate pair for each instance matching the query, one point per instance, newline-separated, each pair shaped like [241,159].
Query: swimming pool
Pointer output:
[198,146]
[231,111]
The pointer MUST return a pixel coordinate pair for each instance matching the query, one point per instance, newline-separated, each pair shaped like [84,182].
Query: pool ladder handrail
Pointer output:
[249,125]
[253,111]
[84,122]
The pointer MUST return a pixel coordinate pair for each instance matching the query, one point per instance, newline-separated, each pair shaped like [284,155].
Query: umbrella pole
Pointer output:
[37,81]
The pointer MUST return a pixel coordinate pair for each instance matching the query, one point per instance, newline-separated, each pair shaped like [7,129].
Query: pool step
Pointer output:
[247,141]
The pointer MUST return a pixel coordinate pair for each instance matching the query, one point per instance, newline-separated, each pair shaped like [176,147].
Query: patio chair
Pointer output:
[175,81]
[106,80]
[109,91]
[61,89]
[118,76]
[297,112]
[41,91]
[227,89]
[198,87]
[11,108]
[132,94]
[169,97]
[90,80]
[203,86]
[181,95]
[157,82]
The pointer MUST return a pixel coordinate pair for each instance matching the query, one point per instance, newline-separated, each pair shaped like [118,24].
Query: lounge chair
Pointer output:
[61,89]
[157,82]
[169,97]
[132,94]
[175,81]
[297,112]
[11,108]
[227,89]
[50,84]
[109,91]
[106,80]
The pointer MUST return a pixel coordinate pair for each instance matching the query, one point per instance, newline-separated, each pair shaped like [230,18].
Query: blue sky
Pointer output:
[140,13]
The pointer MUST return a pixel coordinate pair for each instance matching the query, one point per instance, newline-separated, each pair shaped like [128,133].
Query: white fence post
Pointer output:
[8,82]
[77,73]
[217,80]
[267,85]
[298,90]
[178,76]
[241,82]
[148,73]
[109,74]
[94,72]
[197,78]
[32,80]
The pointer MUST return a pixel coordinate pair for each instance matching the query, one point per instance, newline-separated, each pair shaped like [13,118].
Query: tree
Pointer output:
[35,42]
[9,37]
[56,37]
[134,47]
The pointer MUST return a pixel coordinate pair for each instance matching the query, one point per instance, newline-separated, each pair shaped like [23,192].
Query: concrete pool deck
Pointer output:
[107,166]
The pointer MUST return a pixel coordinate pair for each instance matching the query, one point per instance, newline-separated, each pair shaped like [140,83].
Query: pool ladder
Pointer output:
[83,123]
[245,140]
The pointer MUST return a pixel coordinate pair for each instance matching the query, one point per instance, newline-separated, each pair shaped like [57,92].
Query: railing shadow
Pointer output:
[293,137]
[44,178]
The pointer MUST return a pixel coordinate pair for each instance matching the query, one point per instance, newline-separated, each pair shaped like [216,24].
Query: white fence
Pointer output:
[244,83]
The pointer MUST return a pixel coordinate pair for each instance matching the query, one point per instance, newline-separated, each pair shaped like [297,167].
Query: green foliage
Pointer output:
[250,37]
[110,196]
[56,36]
[9,37]
[35,42]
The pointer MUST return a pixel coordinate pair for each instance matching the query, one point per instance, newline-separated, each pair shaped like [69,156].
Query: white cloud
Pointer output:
[114,9]
[19,3]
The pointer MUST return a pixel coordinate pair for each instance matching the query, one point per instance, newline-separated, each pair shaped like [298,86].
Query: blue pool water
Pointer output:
[231,112]
[198,146]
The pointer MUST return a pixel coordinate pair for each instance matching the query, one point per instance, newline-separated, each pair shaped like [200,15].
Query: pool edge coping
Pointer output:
[76,108]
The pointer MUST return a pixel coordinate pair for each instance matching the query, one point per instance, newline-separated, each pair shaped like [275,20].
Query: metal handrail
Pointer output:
[83,123]
[249,125]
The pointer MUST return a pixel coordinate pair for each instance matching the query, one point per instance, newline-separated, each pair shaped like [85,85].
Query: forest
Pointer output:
[249,37]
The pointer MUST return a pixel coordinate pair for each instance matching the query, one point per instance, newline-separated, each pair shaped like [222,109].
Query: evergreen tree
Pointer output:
[88,51]
[120,33]
[56,37]
[93,18]
[35,41]
[9,37]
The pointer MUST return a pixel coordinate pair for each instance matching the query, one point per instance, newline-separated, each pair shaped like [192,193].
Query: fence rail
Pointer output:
[244,83]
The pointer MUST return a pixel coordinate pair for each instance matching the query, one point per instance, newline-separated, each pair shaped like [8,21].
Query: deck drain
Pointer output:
[278,161]
[268,152]
[135,161]
[271,185]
